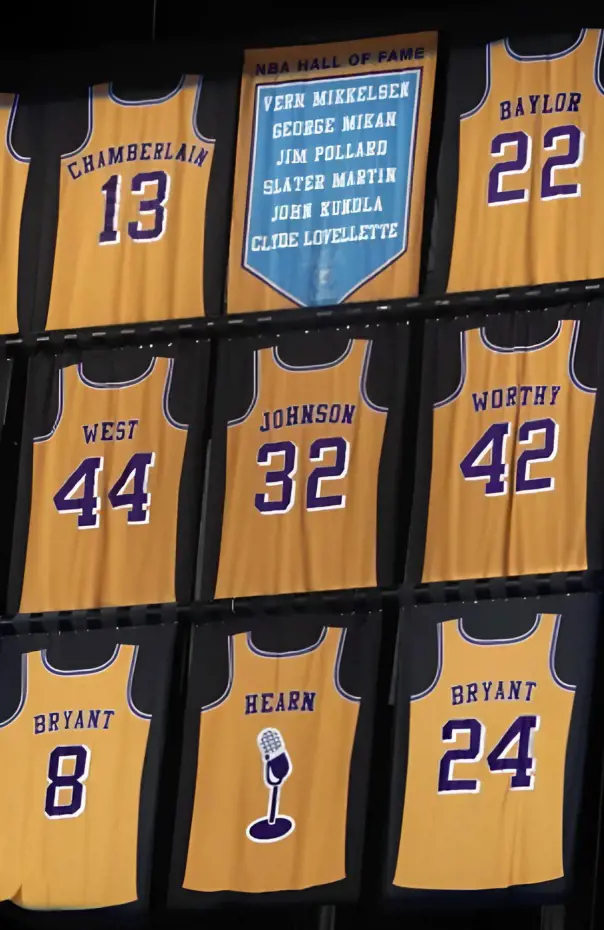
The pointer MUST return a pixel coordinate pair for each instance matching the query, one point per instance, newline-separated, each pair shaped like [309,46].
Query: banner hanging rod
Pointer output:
[283,321]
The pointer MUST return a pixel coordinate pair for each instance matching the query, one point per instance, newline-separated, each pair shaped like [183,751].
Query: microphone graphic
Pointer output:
[277,767]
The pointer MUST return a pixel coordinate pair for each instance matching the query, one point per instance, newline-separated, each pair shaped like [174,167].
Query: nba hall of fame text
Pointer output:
[331,167]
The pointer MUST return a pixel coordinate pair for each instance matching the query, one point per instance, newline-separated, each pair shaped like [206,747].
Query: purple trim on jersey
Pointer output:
[487,89]
[131,704]
[571,361]
[23,697]
[167,387]
[502,350]
[553,57]
[439,668]
[60,408]
[285,655]
[194,113]
[145,103]
[114,385]
[336,671]
[552,655]
[497,642]
[9,132]
[597,61]
[78,672]
[281,364]
[363,381]
[255,395]
[81,147]
[229,686]
[462,376]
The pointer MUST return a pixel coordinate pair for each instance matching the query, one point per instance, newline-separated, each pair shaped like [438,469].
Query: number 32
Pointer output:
[287,452]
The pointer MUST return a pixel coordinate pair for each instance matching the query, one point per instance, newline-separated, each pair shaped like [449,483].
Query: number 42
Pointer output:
[88,504]
[493,444]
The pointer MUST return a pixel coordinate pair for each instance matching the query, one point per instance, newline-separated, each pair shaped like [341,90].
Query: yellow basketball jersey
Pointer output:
[508,491]
[104,501]
[80,746]
[13,178]
[10,811]
[131,213]
[302,480]
[311,722]
[531,180]
[485,778]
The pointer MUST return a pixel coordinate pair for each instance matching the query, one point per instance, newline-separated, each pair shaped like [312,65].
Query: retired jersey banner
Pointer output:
[330,174]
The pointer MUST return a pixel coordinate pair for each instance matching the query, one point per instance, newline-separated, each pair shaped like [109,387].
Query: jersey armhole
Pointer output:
[131,704]
[363,382]
[439,666]
[60,408]
[166,398]
[22,699]
[487,88]
[229,685]
[88,137]
[195,113]
[552,658]
[463,354]
[9,133]
[571,361]
[336,670]
[598,63]
[255,393]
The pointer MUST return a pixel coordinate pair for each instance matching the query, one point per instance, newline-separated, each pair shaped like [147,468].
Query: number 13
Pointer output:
[112,192]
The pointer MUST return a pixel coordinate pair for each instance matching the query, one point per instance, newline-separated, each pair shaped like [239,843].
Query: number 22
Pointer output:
[156,206]
[523,144]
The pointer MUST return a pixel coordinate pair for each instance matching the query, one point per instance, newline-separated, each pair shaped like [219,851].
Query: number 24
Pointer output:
[521,767]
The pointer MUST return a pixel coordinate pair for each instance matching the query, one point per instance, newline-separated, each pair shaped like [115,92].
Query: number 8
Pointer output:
[73,783]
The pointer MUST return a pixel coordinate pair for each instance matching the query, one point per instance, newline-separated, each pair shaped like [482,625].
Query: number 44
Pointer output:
[88,505]
[493,445]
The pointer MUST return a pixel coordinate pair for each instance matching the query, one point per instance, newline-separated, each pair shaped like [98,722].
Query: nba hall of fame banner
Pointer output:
[330,173]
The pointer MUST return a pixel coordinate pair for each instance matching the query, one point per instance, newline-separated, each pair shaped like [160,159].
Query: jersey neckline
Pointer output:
[321,365]
[145,103]
[79,671]
[498,642]
[109,385]
[552,57]
[502,350]
[284,655]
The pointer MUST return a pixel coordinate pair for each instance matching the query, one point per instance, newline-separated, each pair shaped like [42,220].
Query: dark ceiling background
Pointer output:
[53,27]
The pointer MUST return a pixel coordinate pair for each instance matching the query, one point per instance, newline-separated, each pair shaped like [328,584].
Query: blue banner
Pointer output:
[330,182]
